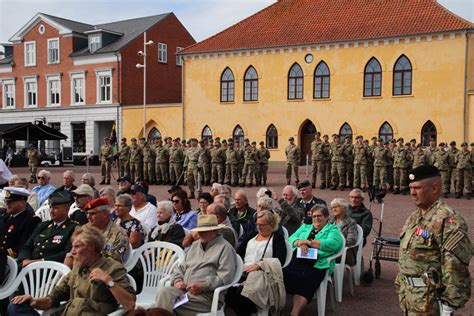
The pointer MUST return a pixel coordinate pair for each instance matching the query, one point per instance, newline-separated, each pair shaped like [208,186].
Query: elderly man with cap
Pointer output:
[51,240]
[106,154]
[143,210]
[82,196]
[209,263]
[307,200]
[435,251]
[44,188]
[124,185]
[124,158]
[293,157]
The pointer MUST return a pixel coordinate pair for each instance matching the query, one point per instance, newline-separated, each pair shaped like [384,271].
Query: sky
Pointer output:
[202,18]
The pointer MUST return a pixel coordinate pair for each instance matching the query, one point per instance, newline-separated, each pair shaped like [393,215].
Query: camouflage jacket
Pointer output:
[136,154]
[464,160]
[217,155]
[263,155]
[124,153]
[116,242]
[401,157]
[106,153]
[293,154]
[162,154]
[441,160]
[176,154]
[419,159]
[192,157]
[360,154]
[231,156]
[380,155]
[317,150]
[337,152]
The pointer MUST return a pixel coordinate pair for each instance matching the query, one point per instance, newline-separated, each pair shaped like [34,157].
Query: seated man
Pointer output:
[124,185]
[95,286]
[358,212]
[68,181]
[51,240]
[244,214]
[82,195]
[44,188]
[291,215]
[209,263]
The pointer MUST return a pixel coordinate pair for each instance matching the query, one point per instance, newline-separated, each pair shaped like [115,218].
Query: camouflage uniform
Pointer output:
[316,158]
[231,165]
[33,162]
[441,161]
[338,171]
[176,166]
[389,167]
[401,157]
[325,166]
[419,158]
[293,156]
[430,151]
[263,155]
[453,152]
[105,157]
[360,166]
[249,165]
[191,166]
[116,242]
[380,166]
[167,145]
[349,164]
[204,165]
[148,162]
[162,156]
[136,159]
[218,163]
[241,159]
[370,164]
[124,160]
[463,169]
[436,243]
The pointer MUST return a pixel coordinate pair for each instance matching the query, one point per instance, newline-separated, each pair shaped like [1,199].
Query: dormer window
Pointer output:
[95,42]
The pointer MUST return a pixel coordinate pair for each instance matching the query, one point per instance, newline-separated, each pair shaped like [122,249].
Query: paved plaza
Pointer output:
[379,298]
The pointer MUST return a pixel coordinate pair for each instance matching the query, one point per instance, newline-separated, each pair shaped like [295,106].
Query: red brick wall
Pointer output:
[163,80]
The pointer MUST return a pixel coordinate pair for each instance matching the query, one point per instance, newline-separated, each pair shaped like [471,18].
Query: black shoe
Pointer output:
[458,195]
[445,195]
[102,182]
[322,187]
[396,191]
[333,188]
[191,196]
[107,182]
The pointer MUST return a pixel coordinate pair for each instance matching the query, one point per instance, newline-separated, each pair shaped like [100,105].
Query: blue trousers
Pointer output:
[21,310]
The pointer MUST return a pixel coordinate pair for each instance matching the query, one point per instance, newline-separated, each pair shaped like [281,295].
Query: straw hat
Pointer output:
[207,223]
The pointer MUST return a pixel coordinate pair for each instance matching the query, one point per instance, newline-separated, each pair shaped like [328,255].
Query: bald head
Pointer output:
[219,210]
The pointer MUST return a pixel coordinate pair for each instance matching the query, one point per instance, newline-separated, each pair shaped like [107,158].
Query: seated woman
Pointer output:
[303,276]
[266,244]
[346,225]
[167,228]
[182,208]
[204,200]
[133,227]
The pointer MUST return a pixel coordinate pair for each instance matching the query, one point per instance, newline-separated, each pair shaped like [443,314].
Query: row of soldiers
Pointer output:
[175,161]
[383,164]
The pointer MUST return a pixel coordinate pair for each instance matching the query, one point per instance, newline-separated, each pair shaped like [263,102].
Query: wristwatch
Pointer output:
[110,284]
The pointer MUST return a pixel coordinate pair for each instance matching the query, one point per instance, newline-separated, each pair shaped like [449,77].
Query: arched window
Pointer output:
[321,81]
[428,132]
[154,133]
[238,135]
[206,133]
[251,85]
[402,72]
[272,137]
[295,82]
[372,78]
[345,131]
[227,86]
[386,132]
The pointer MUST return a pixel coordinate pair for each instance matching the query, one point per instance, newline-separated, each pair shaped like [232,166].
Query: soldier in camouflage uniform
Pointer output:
[349,162]
[431,150]
[390,145]
[435,251]
[250,162]
[464,162]
[325,167]
[360,164]
[106,155]
[162,156]
[380,155]
[453,152]
[191,166]
[263,155]
[231,164]
[136,160]
[370,160]
[401,157]
[176,162]
[338,171]
[218,162]
[419,157]
[33,162]
[124,158]
[204,163]
[240,158]
[293,156]
[148,161]
[167,145]
[472,167]
[316,158]
[153,144]
[441,161]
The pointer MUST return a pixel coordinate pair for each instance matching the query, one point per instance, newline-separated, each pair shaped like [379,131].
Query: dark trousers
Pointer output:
[21,310]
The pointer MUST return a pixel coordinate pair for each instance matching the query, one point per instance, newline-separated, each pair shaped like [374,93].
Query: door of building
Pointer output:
[306,138]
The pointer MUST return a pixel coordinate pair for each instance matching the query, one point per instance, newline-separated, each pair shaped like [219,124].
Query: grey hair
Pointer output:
[266,202]
[13,178]
[323,209]
[46,173]
[107,190]
[224,187]
[243,195]
[360,192]
[261,192]
[226,202]
[166,205]
[126,199]
[216,186]
[272,218]
[340,202]
[70,172]
[90,177]
[220,209]
[293,189]
[91,236]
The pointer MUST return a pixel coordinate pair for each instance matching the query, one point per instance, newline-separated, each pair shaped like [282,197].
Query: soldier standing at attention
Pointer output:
[249,164]
[231,164]
[105,156]
[360,164]
[148,161]
[176,162]
[217,161]
[325,167]
[453,152]
[316,158]
[124,158]
[263,155]
[33,162]
[380,165]
[349,162]
[191,166]
[419,157]
[370,160]
[293,156]
[463,169]
[435,251]
[204,163]
[338,173]
[441,161]
[431,150]
[401,157]
[136,158]
[240,158]
[167,145]
[161,163]
[390,146]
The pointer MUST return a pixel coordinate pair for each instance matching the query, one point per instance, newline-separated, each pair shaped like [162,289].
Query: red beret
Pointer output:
[96,203]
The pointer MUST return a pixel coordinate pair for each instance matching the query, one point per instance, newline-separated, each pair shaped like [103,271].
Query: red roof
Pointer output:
[299,22]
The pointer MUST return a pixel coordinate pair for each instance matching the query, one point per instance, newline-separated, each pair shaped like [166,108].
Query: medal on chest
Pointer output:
[425,234]
[10,229]
[57,239]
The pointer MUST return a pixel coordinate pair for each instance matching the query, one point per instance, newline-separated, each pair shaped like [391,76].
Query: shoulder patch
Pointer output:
[453,241]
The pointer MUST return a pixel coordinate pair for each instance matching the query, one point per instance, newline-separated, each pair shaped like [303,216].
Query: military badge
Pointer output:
[57,239]
[10,229]
[411,176]
[7,194]
[452,221]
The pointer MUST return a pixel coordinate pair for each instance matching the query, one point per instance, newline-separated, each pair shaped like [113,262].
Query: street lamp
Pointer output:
[142,53]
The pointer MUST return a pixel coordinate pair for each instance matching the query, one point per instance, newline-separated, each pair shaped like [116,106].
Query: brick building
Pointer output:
[76,77]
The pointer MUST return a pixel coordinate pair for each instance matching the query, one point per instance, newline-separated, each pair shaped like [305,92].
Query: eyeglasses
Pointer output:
[318,216]
[355,197]
[92,213]
[262,225]
[120,205]
[175,201]
[40,177]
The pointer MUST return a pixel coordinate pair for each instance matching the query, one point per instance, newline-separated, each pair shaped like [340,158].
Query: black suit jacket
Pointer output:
[15,231]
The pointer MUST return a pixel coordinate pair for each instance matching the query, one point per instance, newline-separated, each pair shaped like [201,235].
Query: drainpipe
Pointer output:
[182,98]
[119,97]
[465,110]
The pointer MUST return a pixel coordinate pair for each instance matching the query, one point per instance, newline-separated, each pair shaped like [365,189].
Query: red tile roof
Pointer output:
[299,22]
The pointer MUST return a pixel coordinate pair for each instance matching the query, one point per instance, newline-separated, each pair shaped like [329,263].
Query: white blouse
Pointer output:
[255,249]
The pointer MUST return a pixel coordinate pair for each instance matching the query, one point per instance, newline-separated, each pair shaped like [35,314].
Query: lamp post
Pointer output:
[143,54]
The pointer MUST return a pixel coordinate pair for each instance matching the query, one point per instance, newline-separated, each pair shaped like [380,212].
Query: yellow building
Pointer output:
[375,68]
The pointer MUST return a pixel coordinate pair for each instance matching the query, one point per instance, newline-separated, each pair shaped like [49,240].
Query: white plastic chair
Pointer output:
[289,254]
[158,260]
[43,212]
[146,233]
[11,270]
[356,270]
[285,232]
[128,257]
[217,292]
[322,290]
[122,311]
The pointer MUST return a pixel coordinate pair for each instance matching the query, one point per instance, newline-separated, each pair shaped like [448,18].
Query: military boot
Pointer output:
[458,195]
[396,191]
[191,195]
[313,185]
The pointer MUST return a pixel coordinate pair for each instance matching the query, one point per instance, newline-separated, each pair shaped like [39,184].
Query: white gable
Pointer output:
[18,36]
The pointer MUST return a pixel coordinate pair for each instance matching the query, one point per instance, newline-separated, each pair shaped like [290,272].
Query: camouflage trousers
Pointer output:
[452,174]
[370,172]
[400,178]
[105,168]
[206,173]
[261,173]
[136,171]
[325,172]
[316,166]
[445,180]
[248,173]
[464,179]
[360,176]
[389,177]
[148,174]
[192,174]
[349,165]
[217,174]
[161,172]
[380,177]
[231,176]
[416,300]
[176,172]
[124,168]
[338,174]
[292,166]
[33,168]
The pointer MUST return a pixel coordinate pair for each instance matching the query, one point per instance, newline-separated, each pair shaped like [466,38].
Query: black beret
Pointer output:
[472,144]
[262,143]
[304,184]
[441,145]
[291,139]
[452,143]
[423,172]
[60,197]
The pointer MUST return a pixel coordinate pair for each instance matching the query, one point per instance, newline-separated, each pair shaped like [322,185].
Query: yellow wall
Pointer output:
[438,92]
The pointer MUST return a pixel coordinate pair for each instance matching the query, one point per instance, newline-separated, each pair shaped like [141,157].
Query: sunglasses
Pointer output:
[39,178]
[175,201]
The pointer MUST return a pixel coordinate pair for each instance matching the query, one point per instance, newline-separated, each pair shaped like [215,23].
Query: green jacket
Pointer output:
[330,239]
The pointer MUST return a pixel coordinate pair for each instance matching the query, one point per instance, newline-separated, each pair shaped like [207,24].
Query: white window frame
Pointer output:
[99,74]
[49,80]
[99,43]
[53,40]
[25,48]
[78,76]
[8,82]
[179,59]
[26,81]
[163,53]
